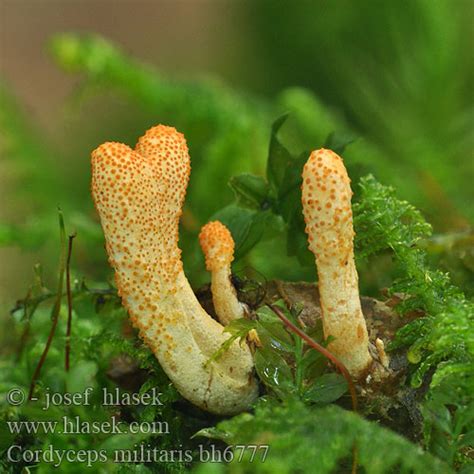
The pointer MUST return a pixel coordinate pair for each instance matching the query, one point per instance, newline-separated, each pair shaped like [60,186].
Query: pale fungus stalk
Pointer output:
[326,197]
[139,196]
[218,247]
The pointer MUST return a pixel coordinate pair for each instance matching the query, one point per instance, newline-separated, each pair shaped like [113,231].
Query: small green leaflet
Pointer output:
[250,191]
[278,156]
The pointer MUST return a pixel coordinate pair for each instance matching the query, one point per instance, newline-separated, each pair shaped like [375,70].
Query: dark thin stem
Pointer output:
[56,308]
[69,302]
[43,355]
[312,343]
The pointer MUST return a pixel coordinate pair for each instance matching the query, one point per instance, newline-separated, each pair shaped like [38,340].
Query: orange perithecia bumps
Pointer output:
[326,199]
[217,244]
[139,196]
[327,203]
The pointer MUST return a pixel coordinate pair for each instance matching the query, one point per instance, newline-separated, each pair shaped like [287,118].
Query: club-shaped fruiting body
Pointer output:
[218,247]
[139,195]
[326,198]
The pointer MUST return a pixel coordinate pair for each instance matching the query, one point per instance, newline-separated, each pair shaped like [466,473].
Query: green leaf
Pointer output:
[274,335]
[246,226]
[250,191]
[289,206]
[297,241]
[338,141]
[278,156]
[289,192]
[274,371]
[238,329]
[313,363]
[326,389]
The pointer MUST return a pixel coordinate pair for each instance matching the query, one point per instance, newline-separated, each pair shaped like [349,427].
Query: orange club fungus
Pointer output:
[326,198]
[139,196]
[218,247]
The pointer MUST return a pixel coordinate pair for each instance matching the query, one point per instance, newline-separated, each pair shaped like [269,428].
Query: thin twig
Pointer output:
[69,302]
[57,305]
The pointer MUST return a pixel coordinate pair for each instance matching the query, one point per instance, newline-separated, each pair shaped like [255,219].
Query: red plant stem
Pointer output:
[69,302]
[342,368]
[311,342]
[56,308]
[43,356]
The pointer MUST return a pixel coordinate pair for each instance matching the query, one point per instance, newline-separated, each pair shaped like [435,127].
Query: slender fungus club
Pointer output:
[218,247]
[326,197]
[139,196]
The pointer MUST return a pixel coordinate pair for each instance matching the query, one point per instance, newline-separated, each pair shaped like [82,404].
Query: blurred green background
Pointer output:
[398,75]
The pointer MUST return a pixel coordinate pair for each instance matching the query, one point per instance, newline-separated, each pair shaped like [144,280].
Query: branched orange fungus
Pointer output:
[139,196]
[326,198]
[218,247]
